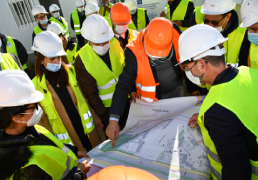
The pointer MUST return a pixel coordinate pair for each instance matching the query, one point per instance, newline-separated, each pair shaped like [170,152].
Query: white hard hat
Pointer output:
[216,7]
[196,42]
[38,10]
[132,4]
[48,44]
[91,8]
[95,28]
[53,7]
[17,89]
[55,28]
[249,13]
[80,3]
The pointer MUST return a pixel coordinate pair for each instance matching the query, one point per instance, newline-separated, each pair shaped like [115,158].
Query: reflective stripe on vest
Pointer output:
[145,82]
[233,46]
[76,22]
[141,20]
[11,48]
[198,15]
[72,54]
[253,56]
[48,106]
[244,87]
[7,62]
[105,78]
[179,13]
[57,161]
[102,10]
[37,30]
[64,25]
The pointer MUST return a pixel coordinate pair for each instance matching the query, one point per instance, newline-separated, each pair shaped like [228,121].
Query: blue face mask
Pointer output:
[44,22]
[53,67]
[253,38]
[133,12]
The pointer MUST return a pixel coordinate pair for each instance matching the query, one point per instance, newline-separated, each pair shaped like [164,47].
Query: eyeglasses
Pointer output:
[188,69]
[42,17]
[214,22]
[55,11]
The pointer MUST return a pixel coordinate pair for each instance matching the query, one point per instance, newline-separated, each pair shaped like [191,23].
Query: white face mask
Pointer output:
[81,9]
[57,15]
[192,78]
[37,114]
[121,29]
[220,29]
[101,50]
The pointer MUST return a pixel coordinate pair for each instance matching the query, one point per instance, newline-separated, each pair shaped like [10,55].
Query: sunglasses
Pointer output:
[55,11]
[214,22]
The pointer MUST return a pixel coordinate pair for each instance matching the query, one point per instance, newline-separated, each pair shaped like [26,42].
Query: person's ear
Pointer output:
[16,119]
[229,16]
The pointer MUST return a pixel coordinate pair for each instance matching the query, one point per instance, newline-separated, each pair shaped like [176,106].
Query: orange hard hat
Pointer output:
[122,173]
[158,38]
[120,14]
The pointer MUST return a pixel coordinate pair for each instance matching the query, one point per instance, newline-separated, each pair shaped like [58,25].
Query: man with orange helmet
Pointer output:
[149,65]
[120,17]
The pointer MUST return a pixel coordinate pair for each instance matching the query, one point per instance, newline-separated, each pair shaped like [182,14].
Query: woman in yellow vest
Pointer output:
[179,12]
[70,44]
[66,108]
[27,150]
[98,66]
[228,115]
[250,20]
[140,18]
[121,17]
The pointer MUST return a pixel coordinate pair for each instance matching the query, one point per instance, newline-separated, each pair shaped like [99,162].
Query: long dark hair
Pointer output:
[40,69]
[7,113]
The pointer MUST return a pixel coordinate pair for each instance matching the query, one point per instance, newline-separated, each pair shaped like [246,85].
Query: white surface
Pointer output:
[157,139]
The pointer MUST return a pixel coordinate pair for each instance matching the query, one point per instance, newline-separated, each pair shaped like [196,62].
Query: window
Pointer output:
[21,10]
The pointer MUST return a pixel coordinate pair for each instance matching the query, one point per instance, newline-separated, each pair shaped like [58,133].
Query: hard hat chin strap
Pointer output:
[211,52]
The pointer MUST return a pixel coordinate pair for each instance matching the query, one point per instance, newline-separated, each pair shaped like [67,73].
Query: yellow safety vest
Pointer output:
[106,80]
[71,55]
[198,15]
[7,62]
[76,22]
[108,20]
[141,21]
[11,48]
[239,96]
[57,162]
[64,25]
[179,13]
[55,121]
[37,30]
[253,56]
[102,10]
[233,46]
[132,34]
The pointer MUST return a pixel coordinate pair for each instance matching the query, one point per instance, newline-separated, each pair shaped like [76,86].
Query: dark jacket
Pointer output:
[82,17]
[244,50]
[14,154]
[22,53]
[190,10]
[127,80]
[70,45]
[135,18]
[235,144]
